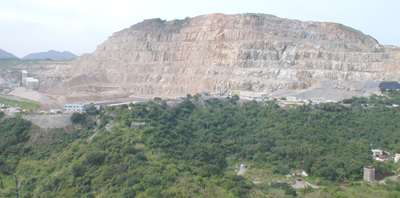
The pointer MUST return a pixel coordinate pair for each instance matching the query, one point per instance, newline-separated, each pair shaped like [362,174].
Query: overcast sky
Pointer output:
[79,26]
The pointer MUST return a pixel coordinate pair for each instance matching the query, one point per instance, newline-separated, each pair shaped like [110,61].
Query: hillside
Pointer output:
[194,150]
[51,55]
[226,54]
[6,55]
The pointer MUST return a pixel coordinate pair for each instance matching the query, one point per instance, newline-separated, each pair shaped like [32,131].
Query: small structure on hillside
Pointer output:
[381,155]
[242,170]
[137,125]
[369,173]
[396,158]
[377,152]
[302,173]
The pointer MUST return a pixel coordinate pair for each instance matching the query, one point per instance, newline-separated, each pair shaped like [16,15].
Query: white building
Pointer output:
[74,107]
[253,94]
[24,74]
[318,100]
[30,82]
[291,98]
[396,158]
[377,152]
[55,111]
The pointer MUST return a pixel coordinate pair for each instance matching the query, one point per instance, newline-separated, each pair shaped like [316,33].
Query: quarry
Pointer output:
[252,56]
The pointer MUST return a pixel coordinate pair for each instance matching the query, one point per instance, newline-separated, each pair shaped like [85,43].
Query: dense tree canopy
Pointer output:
[190,150]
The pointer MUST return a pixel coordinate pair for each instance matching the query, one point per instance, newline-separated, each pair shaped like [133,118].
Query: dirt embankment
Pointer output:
[50,121]
[45,103]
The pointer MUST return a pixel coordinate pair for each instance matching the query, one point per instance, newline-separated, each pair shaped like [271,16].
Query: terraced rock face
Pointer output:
[227,53]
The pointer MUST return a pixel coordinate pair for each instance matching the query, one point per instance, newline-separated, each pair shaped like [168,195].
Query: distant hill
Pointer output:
[6,55]
[52,55]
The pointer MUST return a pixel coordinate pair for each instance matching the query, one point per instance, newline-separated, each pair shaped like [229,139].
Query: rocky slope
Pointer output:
[226,53]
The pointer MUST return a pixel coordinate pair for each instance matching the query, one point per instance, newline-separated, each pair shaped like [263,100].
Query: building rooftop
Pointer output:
[389,85]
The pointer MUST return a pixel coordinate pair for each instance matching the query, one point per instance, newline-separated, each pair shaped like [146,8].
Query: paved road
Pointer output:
[391,177]
[303,184]
[300,184]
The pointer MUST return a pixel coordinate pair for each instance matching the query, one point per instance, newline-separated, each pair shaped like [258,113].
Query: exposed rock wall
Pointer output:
[221,53]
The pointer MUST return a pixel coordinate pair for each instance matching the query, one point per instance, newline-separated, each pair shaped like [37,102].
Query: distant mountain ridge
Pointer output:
[52,55]
[6,55]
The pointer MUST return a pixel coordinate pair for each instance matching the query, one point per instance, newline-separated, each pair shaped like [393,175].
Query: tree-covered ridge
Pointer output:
[190,150]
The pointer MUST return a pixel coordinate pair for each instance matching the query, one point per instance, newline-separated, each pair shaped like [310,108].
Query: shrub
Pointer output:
[128,192]
[95,158]
[77,118]
[92,110]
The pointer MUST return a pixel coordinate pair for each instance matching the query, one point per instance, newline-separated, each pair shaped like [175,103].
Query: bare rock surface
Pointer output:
[50,121]
[326,90]
[224,54]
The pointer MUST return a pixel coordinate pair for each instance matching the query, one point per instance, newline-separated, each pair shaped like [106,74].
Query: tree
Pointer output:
[92,110]
[95,158]
[235,97]
[128,192]
[157,99]
[77,118]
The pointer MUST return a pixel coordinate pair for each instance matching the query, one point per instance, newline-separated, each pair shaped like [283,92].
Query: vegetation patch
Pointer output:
[262,15]
[352,30]
[24,104]
[15,63]
[195,151]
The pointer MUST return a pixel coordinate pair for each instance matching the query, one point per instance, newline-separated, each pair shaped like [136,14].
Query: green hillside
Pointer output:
[193,151]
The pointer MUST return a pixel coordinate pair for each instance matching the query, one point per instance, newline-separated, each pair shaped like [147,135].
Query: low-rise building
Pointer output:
[369,173]
[74,107]
[55,111]
[24,74]
[6,84]
[377,152]
[30,82]
[389,85]
[291,98]
[253,95]
[318,100]
[396,158]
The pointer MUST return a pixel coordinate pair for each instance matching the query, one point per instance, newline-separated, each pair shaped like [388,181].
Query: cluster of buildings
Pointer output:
[383,156]
[283,101]
[9,83]
[13,80]
[29,82]
[71,108]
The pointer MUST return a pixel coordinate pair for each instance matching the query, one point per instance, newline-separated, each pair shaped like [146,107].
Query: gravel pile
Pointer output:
[45,102]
